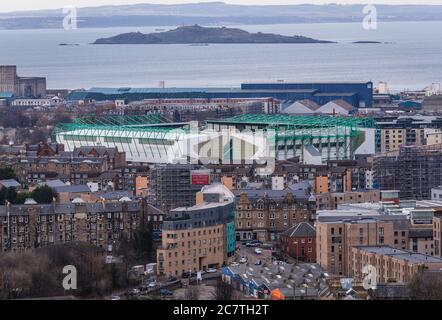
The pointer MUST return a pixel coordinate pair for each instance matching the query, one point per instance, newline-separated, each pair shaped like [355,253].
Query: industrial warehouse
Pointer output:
[247,137]
[357,94]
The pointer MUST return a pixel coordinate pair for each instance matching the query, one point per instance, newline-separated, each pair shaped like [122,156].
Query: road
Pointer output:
[252,257]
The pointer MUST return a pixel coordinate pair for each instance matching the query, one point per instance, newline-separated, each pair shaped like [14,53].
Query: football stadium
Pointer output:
[154,139]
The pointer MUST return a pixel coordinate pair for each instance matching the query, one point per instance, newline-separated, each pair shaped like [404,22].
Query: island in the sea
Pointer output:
[197,34]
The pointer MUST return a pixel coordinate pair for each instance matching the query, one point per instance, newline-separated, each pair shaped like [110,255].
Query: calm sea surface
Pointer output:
[409,57]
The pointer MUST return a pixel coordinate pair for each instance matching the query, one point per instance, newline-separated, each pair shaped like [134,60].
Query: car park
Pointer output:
[258,251]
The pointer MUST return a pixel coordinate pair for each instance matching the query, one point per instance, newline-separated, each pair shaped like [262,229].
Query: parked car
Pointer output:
[243,260]
[172,279]
[253,243]
[115,298]
[258,262]
[258,251]
[187,274]
[144,288]
[211,270]
[133,292]
[166,293]
[152,284]
[234,264]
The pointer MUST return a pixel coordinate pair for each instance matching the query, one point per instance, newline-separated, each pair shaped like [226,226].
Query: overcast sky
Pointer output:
[13,5]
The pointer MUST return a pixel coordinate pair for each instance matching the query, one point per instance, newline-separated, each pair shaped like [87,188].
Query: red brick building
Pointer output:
[299,242]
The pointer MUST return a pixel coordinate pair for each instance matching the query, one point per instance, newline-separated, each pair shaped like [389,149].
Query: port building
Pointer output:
[357,94]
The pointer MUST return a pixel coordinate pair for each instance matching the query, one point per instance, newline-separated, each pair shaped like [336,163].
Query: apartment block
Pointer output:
[336,238]
[331,200]
[391,264]
[198,237]
[437,235]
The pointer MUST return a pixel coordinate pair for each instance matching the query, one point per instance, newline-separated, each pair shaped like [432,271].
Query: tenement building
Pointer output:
[264,214]
[198,237]
[104,223]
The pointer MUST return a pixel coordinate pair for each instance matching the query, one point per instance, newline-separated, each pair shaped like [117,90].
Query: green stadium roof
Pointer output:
[150,119]
[301,122]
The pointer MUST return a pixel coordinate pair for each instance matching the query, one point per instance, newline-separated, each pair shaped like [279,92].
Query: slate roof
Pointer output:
[69,208]
[301,230]
[9,183]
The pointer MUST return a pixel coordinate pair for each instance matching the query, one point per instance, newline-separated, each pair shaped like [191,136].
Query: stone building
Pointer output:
[264,214]
[21,87]
[104,223]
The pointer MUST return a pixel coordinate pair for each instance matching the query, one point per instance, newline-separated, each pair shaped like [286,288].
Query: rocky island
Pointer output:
[202,35]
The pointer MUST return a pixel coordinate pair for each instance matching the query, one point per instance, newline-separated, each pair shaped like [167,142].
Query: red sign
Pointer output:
[200,179]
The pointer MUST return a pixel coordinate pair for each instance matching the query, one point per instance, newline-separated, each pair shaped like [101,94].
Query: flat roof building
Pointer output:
[357,94]
[391,264]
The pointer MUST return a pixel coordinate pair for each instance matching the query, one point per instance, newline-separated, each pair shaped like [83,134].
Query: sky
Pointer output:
[19,5]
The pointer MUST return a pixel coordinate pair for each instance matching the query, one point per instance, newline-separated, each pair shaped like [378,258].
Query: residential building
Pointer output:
[101,223]
[331,200]
[198,237]
[299,242]
[336,236]
[437,235]
[171,186]
[413,170]
[264,214]
[391,264]
[396,132]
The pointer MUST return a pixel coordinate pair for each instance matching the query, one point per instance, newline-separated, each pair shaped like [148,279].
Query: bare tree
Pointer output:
[426,286]
[192,293]
[223,291]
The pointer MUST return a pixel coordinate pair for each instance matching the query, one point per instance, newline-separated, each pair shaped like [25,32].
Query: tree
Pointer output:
[7,194]
[38,136]
[426,286]
[192,293]
[44,194]
[140,247]
[21,197]
[223,291]
[7,173]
